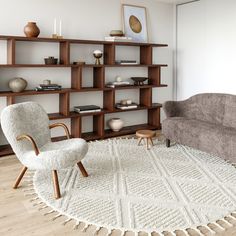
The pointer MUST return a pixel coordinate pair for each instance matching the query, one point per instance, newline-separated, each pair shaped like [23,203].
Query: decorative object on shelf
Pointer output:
[116,124]
[135,22]
[118,33]
[47,82]
[55,35]
[127,106]
[87,108]
[126,102]
[31,30]
[50,61]
[79,63]
[139,80]
[97,54]
[118,78]
[48,87]
[118,39]
[17,84]
[126,62]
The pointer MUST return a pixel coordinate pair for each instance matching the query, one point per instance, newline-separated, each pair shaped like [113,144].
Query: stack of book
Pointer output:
[48,87]
[126,62]
[118,39]
[117,84]
[88,108]
[127,106]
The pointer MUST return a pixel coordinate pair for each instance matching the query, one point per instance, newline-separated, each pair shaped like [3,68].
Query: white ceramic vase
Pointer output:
[17,84]
[116,124]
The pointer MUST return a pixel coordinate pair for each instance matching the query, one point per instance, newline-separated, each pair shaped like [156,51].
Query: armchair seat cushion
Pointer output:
[207,136]
[57,155]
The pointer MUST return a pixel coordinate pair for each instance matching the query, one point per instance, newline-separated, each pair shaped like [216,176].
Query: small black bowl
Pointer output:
[50,61]
[139,80]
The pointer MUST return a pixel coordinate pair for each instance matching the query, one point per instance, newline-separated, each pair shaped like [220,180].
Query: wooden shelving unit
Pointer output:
[109,49]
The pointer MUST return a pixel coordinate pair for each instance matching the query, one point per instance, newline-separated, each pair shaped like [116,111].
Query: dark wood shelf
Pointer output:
[33,92]
[33,65]
[78,41]
[71,65]
[129,130]
[72,114]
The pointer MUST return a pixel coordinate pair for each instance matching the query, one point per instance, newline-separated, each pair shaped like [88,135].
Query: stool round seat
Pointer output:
[145,134]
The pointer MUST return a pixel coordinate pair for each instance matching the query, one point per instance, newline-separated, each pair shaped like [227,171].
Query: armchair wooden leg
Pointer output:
[82,169]
[167,143]
[19,178]
[57,193]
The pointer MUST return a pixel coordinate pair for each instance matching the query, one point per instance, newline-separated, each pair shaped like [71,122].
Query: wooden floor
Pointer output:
[18,216]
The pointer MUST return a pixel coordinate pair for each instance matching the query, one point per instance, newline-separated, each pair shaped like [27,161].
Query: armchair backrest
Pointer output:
[25,118]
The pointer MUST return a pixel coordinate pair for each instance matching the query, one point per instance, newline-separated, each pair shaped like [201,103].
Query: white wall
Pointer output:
[85,19]
[206,47]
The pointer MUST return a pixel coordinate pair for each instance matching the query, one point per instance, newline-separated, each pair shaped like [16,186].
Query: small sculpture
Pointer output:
[97,54]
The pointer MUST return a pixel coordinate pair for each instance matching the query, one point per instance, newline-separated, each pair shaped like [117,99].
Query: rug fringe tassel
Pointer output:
[28,190]
[43,207]
[85,227]
[76,225]
[209,229]
[66,221]
[227,222]
[49,212]
[219,226]
[198,231]
[185,232]
[38,203]
[30,194]
[57,216]
[34,199]
[231,217]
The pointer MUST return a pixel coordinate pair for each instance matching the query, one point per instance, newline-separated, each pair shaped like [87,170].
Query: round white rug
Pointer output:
[130,188]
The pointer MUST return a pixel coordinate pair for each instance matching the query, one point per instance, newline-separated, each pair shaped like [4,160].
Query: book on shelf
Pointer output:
[118,39]
[87,108]
[48,87]
[126,62]
[127,106]
[117,84]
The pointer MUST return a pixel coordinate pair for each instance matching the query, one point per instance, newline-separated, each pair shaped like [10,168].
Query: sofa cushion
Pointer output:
[209,137]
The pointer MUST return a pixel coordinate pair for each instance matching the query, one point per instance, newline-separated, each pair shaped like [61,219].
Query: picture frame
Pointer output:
[135,22]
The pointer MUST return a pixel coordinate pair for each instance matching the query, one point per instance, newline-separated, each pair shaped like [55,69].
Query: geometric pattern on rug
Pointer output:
[131,188]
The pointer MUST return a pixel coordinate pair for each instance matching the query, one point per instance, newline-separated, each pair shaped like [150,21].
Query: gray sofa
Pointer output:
[205,121]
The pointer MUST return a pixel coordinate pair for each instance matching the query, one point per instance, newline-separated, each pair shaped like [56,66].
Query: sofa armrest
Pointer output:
[172,108]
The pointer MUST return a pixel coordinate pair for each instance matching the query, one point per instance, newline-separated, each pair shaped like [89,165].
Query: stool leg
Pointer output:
[147,143]
[151,141]
[139,141]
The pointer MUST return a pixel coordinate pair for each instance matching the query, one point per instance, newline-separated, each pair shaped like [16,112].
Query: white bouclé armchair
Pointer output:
[27,129]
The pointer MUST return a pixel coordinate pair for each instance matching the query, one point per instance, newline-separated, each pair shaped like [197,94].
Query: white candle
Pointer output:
[60,29]
[55,26]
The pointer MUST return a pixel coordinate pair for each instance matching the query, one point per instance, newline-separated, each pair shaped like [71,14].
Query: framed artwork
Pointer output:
[135,22]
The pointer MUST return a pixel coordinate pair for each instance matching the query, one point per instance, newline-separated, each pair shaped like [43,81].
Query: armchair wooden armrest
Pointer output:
[63,126]
[29,138]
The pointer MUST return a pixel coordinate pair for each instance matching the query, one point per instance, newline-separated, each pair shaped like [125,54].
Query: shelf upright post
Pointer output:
[11,51]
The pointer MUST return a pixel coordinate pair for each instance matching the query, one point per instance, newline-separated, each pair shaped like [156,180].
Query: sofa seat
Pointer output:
[206,136]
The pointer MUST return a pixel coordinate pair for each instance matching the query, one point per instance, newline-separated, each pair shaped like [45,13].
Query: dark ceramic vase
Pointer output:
[31,30]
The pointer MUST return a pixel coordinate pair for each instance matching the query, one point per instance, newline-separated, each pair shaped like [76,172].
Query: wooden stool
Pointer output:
[147,134]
